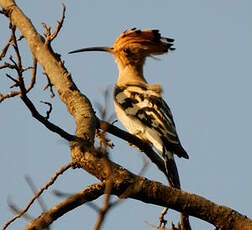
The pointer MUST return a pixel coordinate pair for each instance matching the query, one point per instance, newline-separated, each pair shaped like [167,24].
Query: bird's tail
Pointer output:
[173,179]
[171,170]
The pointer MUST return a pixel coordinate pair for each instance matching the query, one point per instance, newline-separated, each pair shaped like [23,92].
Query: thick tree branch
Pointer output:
[90,193]
[77,104]
[156,193]
[95,163]
[128,185]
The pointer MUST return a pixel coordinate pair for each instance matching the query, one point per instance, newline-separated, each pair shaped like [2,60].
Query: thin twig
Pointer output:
[60,23]
[15,93]
[104,141]
[61,194]
[15,46]
[103,110]
[48,112]
[13,79]
[161,218]
[34,190]
[103,211]
[87,194]
[8,95]
[7,65]
[61,171]
[49,85]
[52,127]
[20,37]
[18,67]
[16,210]
[48,35]
[33,78]
[23,91]
[5,48]
[163,228]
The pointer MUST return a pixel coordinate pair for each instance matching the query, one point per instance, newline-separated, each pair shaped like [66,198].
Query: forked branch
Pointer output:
[61,171]
[83,152]
[17,65]
[51,36]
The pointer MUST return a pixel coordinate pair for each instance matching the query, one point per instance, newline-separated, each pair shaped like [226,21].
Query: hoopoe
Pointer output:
[138,105]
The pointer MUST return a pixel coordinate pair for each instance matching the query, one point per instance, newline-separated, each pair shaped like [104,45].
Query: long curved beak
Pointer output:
[104,49]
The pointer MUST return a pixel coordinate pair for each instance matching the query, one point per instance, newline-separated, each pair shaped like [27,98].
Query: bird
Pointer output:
[140,106]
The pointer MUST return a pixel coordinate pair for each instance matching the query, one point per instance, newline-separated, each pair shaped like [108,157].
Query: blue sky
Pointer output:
[207,83]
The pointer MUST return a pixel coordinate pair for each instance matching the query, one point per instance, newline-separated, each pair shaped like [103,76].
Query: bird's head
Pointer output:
[133,46]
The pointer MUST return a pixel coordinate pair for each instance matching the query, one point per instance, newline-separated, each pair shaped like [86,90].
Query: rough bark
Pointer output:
[77,104]
[90,193]
[125,184]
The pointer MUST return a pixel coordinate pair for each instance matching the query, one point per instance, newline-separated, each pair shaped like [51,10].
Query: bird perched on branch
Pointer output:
[138,105]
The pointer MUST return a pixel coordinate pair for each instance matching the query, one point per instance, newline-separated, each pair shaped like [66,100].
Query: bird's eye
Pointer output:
[127,51]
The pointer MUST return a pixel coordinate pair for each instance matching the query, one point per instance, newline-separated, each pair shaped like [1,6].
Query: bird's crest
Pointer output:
[144,42]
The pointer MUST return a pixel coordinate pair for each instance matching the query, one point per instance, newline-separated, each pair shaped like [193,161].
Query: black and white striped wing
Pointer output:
[151,116]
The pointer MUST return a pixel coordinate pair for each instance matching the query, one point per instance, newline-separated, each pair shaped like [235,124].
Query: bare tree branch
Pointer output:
[16,210]
[19,63]
[49,85]
[147,149]
[50,37]
[33,78]
[103,211]
[5,48]
[42,119]
[77,104]
[39,199]
[94,162]
[34,190]
[155,193]
[18,67]
[61,171]
[90,193]
[48,112]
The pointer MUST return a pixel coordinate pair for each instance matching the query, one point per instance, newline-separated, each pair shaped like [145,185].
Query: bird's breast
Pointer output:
[133,125]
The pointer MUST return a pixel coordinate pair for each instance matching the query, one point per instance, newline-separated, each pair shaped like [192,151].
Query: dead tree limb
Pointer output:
[94,162]
[154,193]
